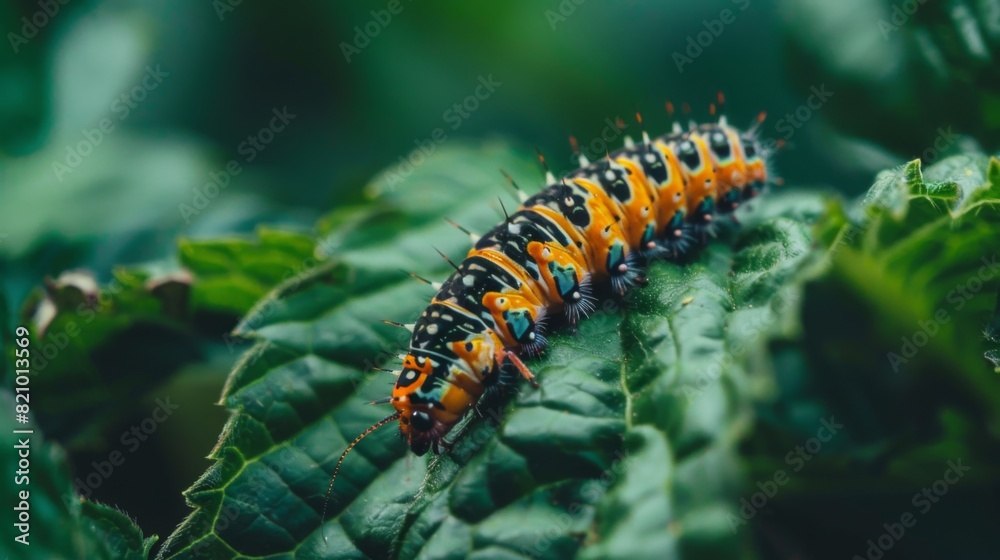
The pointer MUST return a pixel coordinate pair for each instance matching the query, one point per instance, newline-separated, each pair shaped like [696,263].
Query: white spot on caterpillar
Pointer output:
[432,329]
[468,280]
[410,376]
[576,295]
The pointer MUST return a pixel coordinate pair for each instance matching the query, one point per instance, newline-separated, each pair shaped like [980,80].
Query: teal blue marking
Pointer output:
[518,322]
[647,236]
[565,277]
[678,220]
[616,256]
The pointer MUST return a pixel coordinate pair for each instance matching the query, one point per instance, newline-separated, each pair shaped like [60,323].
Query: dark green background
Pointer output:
[891,94]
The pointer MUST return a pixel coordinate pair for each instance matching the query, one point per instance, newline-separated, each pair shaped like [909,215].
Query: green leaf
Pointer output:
[60,523]
[912,76]
[89,341]
[643,405]
[92,339]
[116,531]
[892,346]
[924,245]
[23,99]
[233,274]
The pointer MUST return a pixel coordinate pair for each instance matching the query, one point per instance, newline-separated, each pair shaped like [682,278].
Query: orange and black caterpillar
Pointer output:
[655,199]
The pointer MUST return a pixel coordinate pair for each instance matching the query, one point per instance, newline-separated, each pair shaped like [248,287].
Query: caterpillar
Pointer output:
[654,199]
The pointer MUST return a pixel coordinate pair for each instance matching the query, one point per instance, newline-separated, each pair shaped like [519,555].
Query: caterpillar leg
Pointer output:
[580,303]
[506,378]
[626,274]
[678,241]
[493,397]
[513,359]
[703,231]
[536,346]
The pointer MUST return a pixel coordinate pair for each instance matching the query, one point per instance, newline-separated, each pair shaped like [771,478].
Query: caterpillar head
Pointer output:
[417,397]
[450,354]
[420,429]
